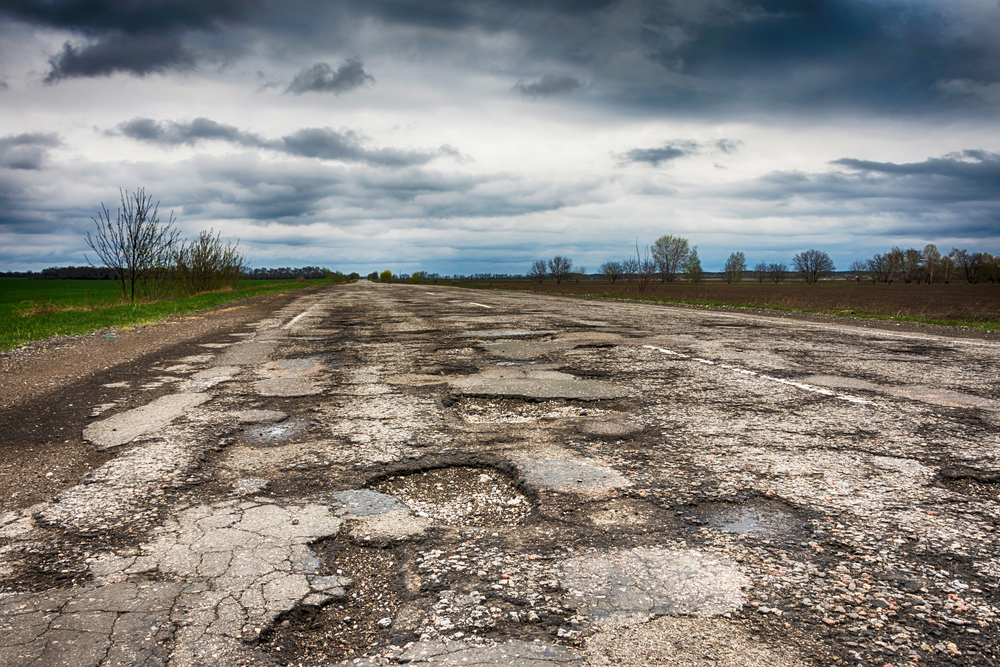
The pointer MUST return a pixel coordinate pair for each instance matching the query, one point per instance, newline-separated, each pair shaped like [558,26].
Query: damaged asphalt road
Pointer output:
[394,474]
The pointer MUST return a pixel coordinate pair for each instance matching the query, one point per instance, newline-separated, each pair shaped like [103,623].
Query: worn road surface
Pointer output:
[388,474]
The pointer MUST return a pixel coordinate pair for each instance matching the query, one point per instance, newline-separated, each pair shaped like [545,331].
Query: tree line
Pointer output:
[928,266]
[671,258]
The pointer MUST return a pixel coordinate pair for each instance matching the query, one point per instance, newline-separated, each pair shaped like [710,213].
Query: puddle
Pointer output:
[269,434]
[757,519]
[459,496]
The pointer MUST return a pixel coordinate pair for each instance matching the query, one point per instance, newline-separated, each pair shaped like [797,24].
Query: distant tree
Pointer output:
[385,276]
[646,268]
[760,272]
[415,279]
[813,265]
[630,269]
[991,267]
[777,271]
[859,268]
[692,266]
[354,275]
[932,262]
[136,246]
[538,271]
[947,268]
[669,252]
[735,267]
[612,270]
[581,273]
[969,263]
[910,263]
[560,267]
[373,276]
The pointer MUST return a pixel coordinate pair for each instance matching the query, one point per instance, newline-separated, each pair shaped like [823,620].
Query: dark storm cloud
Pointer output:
[322,78]
[139,54]
[672,150]
[547,86]
[132,36]
[959,192]
[26,151]
[318,142]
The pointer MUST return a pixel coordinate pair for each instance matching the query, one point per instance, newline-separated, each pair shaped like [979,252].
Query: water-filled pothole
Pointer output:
[459,496]
[275,433]
[760,519]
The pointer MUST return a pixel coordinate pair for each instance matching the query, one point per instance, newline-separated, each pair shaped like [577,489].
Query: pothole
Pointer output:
[270,434]
[970,482]
[355,625]
[752,518]
[514,411]
[460,496]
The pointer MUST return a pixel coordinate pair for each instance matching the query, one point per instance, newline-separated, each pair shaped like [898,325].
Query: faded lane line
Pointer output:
[481,305]
[744,371]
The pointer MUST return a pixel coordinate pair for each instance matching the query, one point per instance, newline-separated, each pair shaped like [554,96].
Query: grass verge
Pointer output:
[18,329]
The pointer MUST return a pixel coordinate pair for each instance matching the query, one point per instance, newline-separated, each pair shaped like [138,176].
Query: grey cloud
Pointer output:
[679,148]
[321,143]
[322,78]
[3,85]
[547,86]
[139,54]
[959,192]
[728,145]
[133,36]
[171,133]
[26,151]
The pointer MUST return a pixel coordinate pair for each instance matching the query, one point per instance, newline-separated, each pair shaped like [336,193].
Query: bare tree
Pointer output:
[647,268]
[669,252]
[630,269]
[136,246]
[777,271]
[560,267]
[813,265]
[932,262]
[735,267]
[859,268]
[208,264]
[612,270]
[538,271]
[947,268]
[910,264]
[692,267]
[760,272]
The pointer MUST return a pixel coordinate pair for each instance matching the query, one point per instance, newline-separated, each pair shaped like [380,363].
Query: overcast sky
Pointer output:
[458,136]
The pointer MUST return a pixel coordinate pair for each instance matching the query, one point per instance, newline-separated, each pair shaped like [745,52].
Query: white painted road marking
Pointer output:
[744,371]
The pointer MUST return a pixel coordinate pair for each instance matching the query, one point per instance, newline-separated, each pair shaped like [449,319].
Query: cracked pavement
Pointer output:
[383,474]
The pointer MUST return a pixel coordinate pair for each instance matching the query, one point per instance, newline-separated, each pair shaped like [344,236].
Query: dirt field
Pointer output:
[394,474]
[956,301]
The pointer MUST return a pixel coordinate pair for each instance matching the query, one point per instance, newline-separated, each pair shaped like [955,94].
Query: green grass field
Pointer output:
[36,309]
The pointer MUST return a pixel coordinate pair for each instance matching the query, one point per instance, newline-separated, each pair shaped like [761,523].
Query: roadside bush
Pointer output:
[386,276]
[208,265]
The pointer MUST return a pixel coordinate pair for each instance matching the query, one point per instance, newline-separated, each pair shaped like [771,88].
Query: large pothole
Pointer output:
[355,625]
[459,496]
